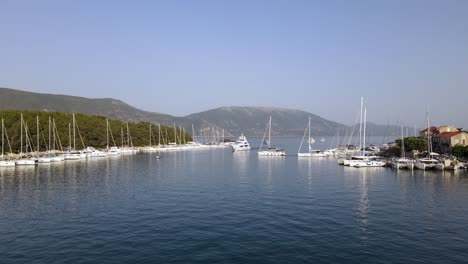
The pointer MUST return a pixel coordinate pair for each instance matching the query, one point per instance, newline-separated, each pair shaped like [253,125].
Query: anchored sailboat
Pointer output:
[311,152]
[3,162]
[271,151]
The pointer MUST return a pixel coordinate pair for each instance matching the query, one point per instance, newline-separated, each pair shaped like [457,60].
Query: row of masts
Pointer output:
[53,143]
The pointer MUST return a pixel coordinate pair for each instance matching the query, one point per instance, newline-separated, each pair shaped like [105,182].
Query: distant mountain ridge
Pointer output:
[11,99]
[252,120]
[233,119]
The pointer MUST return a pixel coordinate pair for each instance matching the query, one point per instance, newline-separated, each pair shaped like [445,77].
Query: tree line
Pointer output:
[90,131]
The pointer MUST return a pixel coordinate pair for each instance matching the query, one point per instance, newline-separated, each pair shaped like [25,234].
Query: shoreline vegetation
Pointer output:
[91,130]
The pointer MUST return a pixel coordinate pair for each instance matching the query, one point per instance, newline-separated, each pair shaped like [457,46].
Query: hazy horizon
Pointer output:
[181,57]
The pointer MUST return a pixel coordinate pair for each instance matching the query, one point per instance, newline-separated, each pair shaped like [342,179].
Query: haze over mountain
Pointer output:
[233,119]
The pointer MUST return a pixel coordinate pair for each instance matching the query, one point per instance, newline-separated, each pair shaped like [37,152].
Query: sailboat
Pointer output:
[72,154]
[311,153]
[128,147]
[428,162]
[26,160]
[3,162]
[112,151]
[368,161]
[55,143]
[402,162]
[271,151]
[39,158]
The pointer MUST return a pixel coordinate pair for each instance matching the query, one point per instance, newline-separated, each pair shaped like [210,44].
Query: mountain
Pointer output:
[252,121]
[234,119]
[11,99]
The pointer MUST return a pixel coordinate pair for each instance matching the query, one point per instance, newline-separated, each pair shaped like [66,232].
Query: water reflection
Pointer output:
[364,203]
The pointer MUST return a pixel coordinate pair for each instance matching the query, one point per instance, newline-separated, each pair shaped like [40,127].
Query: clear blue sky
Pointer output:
[181,57]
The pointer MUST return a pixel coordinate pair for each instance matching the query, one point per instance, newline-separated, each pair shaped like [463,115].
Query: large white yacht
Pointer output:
[241,144]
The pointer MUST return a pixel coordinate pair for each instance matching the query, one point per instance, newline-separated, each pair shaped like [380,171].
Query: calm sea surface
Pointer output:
[215,206]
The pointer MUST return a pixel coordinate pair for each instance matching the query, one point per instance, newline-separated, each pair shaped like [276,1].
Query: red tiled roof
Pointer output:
[432,129]
[447,134]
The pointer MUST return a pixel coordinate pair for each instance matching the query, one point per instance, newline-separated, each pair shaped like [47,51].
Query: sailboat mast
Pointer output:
[69,136]
[53,133]
[128,136]
[269,133]
[159,134]
[121,135]
[364,137]
[180,138]
[360,125]
[428,133]
[74,142]
[2,137]
[37,121]
[107,133]
[309,134]
[49,135]
[402,143]
[175,134]
[150,133]
[21,147]
[193,134]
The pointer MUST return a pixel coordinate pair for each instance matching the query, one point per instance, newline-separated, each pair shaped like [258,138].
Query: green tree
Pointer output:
[413,143]
[91,128]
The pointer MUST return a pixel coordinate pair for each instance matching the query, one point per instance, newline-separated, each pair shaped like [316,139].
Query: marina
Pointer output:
[213,196]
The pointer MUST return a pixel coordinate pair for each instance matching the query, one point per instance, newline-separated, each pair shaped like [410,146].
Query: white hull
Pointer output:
[98,154]
[240,147]
[43,160]
[369,163]
[72,157]
[25,162]
[271,153]
[57,159]
[425,164]
[5,163]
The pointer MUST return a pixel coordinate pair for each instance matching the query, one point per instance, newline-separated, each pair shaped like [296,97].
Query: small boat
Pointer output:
[322,139]
[25,161]
[43,160]
[426,163]
[72,155]
[311,153]
[241,144]
[94,153]
[402,163]
[3,162]
[271,151]
[370,163]
[7,163]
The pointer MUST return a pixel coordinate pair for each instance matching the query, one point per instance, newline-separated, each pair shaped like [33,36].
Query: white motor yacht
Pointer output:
[241,144]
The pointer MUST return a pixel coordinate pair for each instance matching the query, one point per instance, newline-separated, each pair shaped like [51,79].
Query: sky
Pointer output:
[182,57]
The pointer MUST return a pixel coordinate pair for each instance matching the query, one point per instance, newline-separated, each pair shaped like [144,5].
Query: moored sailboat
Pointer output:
[4,162]
[271,151]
